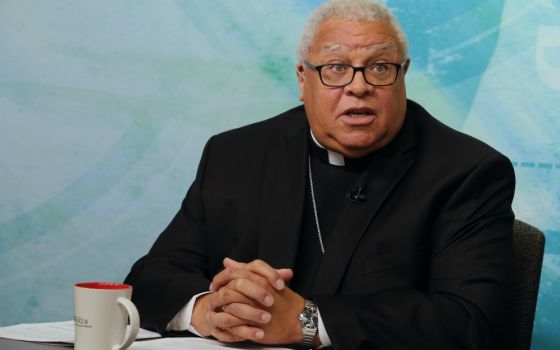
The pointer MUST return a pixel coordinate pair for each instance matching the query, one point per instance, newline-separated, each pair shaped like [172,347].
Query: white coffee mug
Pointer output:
[101,312]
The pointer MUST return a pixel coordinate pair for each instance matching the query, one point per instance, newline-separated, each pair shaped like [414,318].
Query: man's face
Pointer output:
[358,118]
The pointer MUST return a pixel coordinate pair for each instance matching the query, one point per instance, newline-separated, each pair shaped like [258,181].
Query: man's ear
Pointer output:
[406,65]
[300,72]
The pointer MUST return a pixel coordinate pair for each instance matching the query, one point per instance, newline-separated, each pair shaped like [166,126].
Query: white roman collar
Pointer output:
[335,158]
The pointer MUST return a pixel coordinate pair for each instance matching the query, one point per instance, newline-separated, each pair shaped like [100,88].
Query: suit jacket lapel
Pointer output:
[283,198]
[388,166]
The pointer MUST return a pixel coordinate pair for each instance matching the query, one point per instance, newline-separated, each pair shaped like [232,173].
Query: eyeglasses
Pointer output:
[376,74]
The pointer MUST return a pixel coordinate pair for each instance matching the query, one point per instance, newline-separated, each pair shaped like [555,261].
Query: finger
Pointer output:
[229,262]
[247,332]
[223,320]
[286,274]
[262,268]
[225,336]
[268,272]
[231,273]
[247,312]
[224,296]
[251,290]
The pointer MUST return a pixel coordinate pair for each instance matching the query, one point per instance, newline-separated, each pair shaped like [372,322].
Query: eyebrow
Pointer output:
[377,47]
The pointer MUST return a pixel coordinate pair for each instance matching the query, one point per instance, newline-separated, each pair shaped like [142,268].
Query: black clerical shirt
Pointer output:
[331,184]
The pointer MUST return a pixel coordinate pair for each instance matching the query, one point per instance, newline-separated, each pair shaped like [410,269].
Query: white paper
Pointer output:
[53,332]
[194,343]
[63,333]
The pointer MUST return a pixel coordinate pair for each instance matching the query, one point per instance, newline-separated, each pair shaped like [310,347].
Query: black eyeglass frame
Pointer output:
[356,69]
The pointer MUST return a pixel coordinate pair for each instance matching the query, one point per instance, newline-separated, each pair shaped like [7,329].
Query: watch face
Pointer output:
[308,318]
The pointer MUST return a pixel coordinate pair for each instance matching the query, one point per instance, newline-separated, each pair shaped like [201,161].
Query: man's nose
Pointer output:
[359,86]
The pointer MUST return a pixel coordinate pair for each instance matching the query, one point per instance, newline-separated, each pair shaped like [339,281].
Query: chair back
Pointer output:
[528,251]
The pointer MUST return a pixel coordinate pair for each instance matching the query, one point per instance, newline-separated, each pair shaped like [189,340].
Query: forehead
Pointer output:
[338,35]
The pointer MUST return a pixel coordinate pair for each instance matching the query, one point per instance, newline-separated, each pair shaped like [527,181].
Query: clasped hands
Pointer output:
[250,302]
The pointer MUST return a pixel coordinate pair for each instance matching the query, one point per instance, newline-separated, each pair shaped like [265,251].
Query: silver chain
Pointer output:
[315,205]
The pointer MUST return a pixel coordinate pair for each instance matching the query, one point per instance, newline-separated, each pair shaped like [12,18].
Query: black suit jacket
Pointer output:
[423,263]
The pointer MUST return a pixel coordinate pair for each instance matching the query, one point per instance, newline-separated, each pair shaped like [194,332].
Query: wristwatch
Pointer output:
[309,323]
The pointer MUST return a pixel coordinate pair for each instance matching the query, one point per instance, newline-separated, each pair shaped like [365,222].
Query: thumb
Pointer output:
[228,262]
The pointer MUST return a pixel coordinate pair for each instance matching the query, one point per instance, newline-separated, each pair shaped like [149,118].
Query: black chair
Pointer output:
[528,251]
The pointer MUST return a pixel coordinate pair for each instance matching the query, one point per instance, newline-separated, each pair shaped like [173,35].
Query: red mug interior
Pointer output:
[103,285]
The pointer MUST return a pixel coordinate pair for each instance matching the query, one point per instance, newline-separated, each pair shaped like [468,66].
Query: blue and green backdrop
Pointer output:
[105,107]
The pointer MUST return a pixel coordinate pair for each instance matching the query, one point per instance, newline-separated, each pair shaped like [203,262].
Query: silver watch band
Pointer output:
[309,324]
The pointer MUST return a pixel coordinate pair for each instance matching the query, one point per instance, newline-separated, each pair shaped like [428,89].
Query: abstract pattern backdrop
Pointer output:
[105,107]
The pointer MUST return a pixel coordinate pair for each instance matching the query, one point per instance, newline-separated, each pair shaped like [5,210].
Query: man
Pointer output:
[355,221]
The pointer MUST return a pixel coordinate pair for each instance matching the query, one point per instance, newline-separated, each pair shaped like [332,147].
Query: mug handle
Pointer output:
[134,323]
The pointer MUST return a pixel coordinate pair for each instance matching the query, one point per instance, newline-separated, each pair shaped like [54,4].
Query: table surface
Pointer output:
[9,344]
[183,343]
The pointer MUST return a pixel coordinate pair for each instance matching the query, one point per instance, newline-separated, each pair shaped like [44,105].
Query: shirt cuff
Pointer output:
[182,320]
[323,336]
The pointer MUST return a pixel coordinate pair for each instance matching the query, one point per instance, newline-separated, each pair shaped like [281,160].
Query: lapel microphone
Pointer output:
[358,195]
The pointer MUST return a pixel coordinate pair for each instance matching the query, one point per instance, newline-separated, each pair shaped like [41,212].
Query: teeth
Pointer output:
[358,114]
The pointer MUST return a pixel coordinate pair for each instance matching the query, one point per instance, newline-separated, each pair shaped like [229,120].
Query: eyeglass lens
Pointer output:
[375,74]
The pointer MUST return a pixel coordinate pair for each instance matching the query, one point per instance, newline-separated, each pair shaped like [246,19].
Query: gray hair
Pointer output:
[351,10]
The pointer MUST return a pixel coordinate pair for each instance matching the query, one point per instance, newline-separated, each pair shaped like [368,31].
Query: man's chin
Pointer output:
[356,147]
[356,150]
